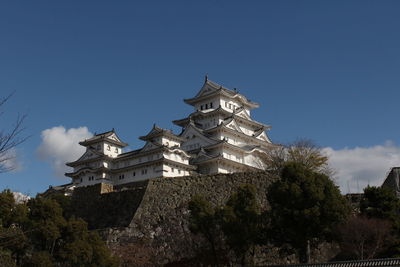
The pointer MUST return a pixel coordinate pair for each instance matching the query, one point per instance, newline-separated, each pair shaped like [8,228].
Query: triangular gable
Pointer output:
[114,137]
[90,154]
[242,113]
[208,88]
[149,146]
[205,90]
[263,136]
[190,133]
[234,126]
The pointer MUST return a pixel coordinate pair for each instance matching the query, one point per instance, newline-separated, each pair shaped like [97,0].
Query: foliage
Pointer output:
[302,151]
[364,238]
[381,203]
[305,206]
[203,220]
[39,233]
[241,221]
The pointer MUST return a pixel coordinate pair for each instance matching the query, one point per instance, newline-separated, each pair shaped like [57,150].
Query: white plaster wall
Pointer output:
[170,143]
[174,171]
[229,104]
[111,150]
[212,103]
[232,139]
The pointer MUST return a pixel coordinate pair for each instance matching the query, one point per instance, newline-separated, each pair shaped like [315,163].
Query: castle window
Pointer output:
[211,105]
[179,171]
[108,147]
[201,107]
[116,150]
[144,171]
[172,170]
[226,104]
[206,106]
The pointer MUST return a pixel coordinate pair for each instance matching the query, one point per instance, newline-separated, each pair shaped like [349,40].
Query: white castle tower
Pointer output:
[220,134]
[218,137]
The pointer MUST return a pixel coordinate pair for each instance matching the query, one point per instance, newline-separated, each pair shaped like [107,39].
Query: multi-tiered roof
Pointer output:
[218,137]
[222,114]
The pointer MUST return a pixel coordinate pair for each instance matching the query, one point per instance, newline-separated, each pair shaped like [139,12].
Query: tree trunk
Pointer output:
[214,252]
[308,252]
[305,253]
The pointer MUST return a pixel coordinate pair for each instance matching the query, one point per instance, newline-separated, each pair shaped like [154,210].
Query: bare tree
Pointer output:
[364,238]
[302,151]
[9,140]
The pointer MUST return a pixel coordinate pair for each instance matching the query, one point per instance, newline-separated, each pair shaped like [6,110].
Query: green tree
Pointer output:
[41,233]
[13,240]
[381,203]
[45,223]
[241,221]
[305,206]
[7,205]
[6,260]
[203,221]
[39,259]
[83,248]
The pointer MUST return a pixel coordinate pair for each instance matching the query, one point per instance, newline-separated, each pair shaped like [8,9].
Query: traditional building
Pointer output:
[218,137]
[392,180]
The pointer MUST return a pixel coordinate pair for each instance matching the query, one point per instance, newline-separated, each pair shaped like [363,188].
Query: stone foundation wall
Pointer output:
[147,223]
[159,227]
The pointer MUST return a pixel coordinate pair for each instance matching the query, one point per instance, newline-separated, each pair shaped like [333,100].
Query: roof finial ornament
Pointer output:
[113,130]
[206,78]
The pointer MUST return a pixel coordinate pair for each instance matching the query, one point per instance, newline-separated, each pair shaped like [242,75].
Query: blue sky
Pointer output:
[323,70]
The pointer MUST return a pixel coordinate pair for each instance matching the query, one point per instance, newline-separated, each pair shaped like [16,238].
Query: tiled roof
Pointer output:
[361,263]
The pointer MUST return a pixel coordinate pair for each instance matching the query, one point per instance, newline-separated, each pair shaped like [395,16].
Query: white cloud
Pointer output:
[357,167]
[60,145]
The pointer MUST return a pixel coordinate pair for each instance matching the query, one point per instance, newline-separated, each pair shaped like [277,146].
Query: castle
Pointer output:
[218,137]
